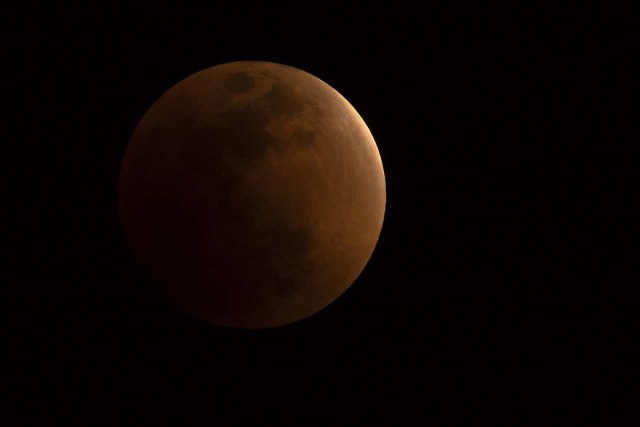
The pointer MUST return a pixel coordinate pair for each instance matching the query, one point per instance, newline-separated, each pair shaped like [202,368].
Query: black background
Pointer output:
[504,281]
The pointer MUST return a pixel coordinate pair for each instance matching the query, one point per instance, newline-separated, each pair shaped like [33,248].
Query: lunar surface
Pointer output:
[252,194]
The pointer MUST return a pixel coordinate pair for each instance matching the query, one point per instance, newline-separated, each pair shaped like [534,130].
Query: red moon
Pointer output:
[252,194]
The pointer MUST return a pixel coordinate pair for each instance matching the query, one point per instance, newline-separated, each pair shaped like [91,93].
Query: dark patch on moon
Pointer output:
[282,99]
[303,137]
[279,254]
[243,134]
[239,82]
[269,248]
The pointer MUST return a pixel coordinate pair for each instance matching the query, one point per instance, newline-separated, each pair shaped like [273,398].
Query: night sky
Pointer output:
[504,283]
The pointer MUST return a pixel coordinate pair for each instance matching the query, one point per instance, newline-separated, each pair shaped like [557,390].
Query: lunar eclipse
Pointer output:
[252,193]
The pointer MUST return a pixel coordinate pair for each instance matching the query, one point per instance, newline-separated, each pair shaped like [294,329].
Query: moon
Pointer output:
[252,193]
